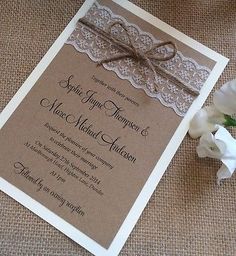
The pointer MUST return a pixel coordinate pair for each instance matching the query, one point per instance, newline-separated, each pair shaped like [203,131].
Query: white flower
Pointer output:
[210,147]
[221,146]
[225,98]
[205,120]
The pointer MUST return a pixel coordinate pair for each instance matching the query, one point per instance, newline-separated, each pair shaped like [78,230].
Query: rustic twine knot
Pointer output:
[148,57]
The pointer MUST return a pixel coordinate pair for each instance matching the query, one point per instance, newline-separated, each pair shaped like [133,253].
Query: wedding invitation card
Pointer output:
[86,139]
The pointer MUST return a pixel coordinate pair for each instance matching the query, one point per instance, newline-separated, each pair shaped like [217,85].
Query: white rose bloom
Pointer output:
[221,146]
[225,98]
[205,120]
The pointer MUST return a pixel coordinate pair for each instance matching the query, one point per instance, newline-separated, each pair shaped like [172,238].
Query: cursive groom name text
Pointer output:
[84,125]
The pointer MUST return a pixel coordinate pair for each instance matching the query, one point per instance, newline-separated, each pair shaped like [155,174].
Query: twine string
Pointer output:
[147,57]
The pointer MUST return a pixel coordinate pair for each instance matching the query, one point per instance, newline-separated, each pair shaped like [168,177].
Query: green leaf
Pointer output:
[229,121]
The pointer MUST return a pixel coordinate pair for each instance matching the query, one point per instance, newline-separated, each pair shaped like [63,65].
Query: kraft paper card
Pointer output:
[88,136]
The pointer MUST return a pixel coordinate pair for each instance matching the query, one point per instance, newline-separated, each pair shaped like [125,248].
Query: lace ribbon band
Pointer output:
[148,63]
[131,52]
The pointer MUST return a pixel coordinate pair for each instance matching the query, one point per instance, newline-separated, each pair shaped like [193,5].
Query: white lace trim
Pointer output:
[98,48]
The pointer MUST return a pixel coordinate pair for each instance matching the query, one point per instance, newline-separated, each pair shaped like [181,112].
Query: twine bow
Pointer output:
[147,57]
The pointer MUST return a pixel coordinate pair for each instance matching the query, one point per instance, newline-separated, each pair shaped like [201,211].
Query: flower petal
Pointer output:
[205,120]
[210,147]
[229,157]
[220,146]
[225,98]
[224,173]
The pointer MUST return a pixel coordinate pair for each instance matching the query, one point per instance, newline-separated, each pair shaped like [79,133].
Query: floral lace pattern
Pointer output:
[98,48]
